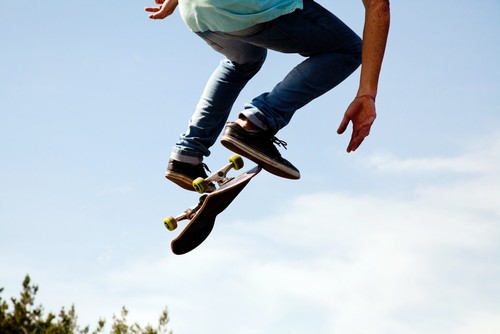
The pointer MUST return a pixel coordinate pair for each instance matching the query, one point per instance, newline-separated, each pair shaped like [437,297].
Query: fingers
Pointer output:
[155,9]
[357,138]
[158,12]
[152,9]
[161,12]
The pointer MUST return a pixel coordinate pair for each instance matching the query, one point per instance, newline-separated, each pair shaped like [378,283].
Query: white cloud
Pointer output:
[484,323]
[388,163]
[331,263]
[481,157]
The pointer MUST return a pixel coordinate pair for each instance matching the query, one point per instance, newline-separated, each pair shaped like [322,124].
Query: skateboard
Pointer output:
[201,217]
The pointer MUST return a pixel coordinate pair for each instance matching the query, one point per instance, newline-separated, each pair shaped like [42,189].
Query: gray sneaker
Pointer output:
[260,148]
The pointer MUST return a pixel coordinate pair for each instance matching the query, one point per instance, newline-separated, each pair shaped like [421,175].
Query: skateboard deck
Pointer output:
[202,217]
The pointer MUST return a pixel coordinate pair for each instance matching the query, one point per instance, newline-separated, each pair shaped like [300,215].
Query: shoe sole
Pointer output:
[180,180]
[272,166]
[185,182]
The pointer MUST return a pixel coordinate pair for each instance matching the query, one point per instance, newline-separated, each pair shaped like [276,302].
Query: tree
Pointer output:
[27,318]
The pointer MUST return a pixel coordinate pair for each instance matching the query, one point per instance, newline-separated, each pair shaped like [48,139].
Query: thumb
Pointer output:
[343,124]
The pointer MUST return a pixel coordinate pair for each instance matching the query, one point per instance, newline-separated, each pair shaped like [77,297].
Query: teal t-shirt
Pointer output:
[233,15]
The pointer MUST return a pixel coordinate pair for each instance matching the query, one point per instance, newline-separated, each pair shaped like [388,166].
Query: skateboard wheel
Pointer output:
[170,223]
[200,185]
[237,161]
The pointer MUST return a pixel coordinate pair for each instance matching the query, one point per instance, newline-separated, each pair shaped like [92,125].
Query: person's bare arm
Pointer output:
[361,112]
[165,9]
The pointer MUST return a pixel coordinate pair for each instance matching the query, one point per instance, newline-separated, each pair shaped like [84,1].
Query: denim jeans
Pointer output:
[332,52]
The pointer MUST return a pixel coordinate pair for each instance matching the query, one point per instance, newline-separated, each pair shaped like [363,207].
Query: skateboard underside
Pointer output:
[202,217]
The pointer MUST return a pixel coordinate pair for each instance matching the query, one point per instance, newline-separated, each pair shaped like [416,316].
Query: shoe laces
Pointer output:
[204,165]
[279,142]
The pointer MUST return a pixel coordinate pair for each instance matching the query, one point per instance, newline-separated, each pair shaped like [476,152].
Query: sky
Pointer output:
[401,236]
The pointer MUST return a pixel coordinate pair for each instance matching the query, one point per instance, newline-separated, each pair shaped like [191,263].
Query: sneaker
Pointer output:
[183,174]
[260,148]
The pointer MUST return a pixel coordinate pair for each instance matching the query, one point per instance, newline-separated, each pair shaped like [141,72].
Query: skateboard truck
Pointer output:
[201,185]
[171,222]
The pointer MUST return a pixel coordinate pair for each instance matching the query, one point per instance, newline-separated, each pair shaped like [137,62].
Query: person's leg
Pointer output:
[333,53]
[242,62]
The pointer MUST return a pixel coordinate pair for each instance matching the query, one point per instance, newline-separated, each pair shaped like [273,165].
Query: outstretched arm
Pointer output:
[166,8]
[361,112]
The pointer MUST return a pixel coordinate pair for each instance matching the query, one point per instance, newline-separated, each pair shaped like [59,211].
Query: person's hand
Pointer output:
[165,9]
[361,112]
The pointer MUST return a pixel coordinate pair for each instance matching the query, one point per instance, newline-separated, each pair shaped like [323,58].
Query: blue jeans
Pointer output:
[332,51]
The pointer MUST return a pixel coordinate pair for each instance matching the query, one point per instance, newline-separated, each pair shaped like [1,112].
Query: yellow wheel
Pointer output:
[237,161]
[170,223]
[200,185]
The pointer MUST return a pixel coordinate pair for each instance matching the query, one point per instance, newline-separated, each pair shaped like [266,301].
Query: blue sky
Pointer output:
[398,237]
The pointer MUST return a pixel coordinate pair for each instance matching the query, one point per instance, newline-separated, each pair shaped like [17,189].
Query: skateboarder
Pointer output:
[243,31]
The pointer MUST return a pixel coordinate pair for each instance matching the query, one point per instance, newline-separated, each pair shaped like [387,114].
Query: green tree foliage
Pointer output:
[24,317]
